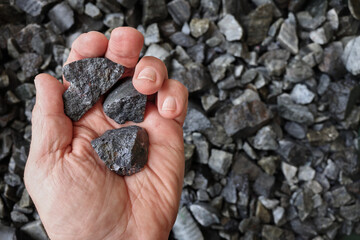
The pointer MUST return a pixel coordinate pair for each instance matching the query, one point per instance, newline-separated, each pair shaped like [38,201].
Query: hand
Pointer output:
[75,194]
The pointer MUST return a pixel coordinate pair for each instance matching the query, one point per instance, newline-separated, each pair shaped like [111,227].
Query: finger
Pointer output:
[51,128]
[149,75]
[124,46]
[172,100]
[87,45]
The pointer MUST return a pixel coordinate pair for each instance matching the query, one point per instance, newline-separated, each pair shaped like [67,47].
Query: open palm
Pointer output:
[76,196]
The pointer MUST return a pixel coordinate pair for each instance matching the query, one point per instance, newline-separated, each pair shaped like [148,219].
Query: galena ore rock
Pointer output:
[125,103]
[124,150]
[90,78]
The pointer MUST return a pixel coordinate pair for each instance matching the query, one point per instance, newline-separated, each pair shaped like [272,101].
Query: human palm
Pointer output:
[76,196]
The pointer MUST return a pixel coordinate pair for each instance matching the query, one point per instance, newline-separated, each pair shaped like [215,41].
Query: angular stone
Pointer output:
[340,197]
[185,227]
[322,35]
[265,139]
[114,20]
[263,185]
[18,217]
[179,38]
[327,134]
[210,8]
[62,16]
[248,96]
[312,54]
[287,35]
[199,27]
[331,170]
[230,27]
[25,91]
[202,147]
[34,7]
[196,120]
[301,94]
[159,52]
[298,71]
[90,78]
[243,166]
[304,228]
[302,200]
[351,212]
[293,112]
[30,64]
[6,143]
[220,161]
[92,11]
[125,103]
[153,11]
[179,11]
[279,216]
[306,173]
[323,85]
[351,55]
[332,63]
[124,150]
[246,118]
[342,95]
[35,230]
[262,213]
[257,23]
[271,232]
[152,34]
[219,66]
[333,18]
[269,164]
[77,5]
[354,7]
[289,172]
[204,214]
[296,130]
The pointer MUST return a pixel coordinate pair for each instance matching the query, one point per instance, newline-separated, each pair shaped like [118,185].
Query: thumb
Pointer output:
[51,128]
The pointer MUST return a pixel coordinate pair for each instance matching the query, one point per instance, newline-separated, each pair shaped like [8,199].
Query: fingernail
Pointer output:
[147,74]
[169,104]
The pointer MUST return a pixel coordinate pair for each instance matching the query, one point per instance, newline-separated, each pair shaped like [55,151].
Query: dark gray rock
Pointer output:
[243,166]
[30,63]
[18,217]
[263,185]
[123,150]
[7,233]
[220,161]
[271,232]
[323,85]
[153,11]
[62,16]
[287,35]
[127,3]
[265,139]
[179,11]
[197,52]
[196,120]
[35,230]
[246,118]
[12,179]
[322,35]
[332,63]
[90,78]
[257,23]
[5,143]
[125,103]
[202,147]
[298,71]
[351,55]
[296,130]
[204,214]
[34,7]
[293,112]
[25,91]
[77,5]
[342,95]
[180,38]
[185,227]
[218,67]
[210,8]
[304,228]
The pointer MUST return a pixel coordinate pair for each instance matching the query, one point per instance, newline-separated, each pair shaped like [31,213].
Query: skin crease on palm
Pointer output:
[76,196]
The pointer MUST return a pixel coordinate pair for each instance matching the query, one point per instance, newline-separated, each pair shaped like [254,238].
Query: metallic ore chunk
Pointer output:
[89,78]
[125,103]
[124,150]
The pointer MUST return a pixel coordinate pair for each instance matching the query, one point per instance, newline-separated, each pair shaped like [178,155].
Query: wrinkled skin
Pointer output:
[76,196]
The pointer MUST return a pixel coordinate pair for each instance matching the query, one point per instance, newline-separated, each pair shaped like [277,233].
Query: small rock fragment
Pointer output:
[199,27]
[332,63]
[322,35]
[153,10]
[301,94]
[351,56]
[220,161]
[265,139]
[246,118]
[306,173]
[179,11]
[152,34]
[62,16]
[202,147]
[287,35]
[114,20]
[185,227]
[264,184]
[125,103]
[271,232]
[293,112]
[327,134]
[296,130]
[205,214]
[279,216]
[92,11]
[30,63]
[90,78]
[180,38]
[230,27]
[35,230]
[34,7]
[123,150]
[219,66]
